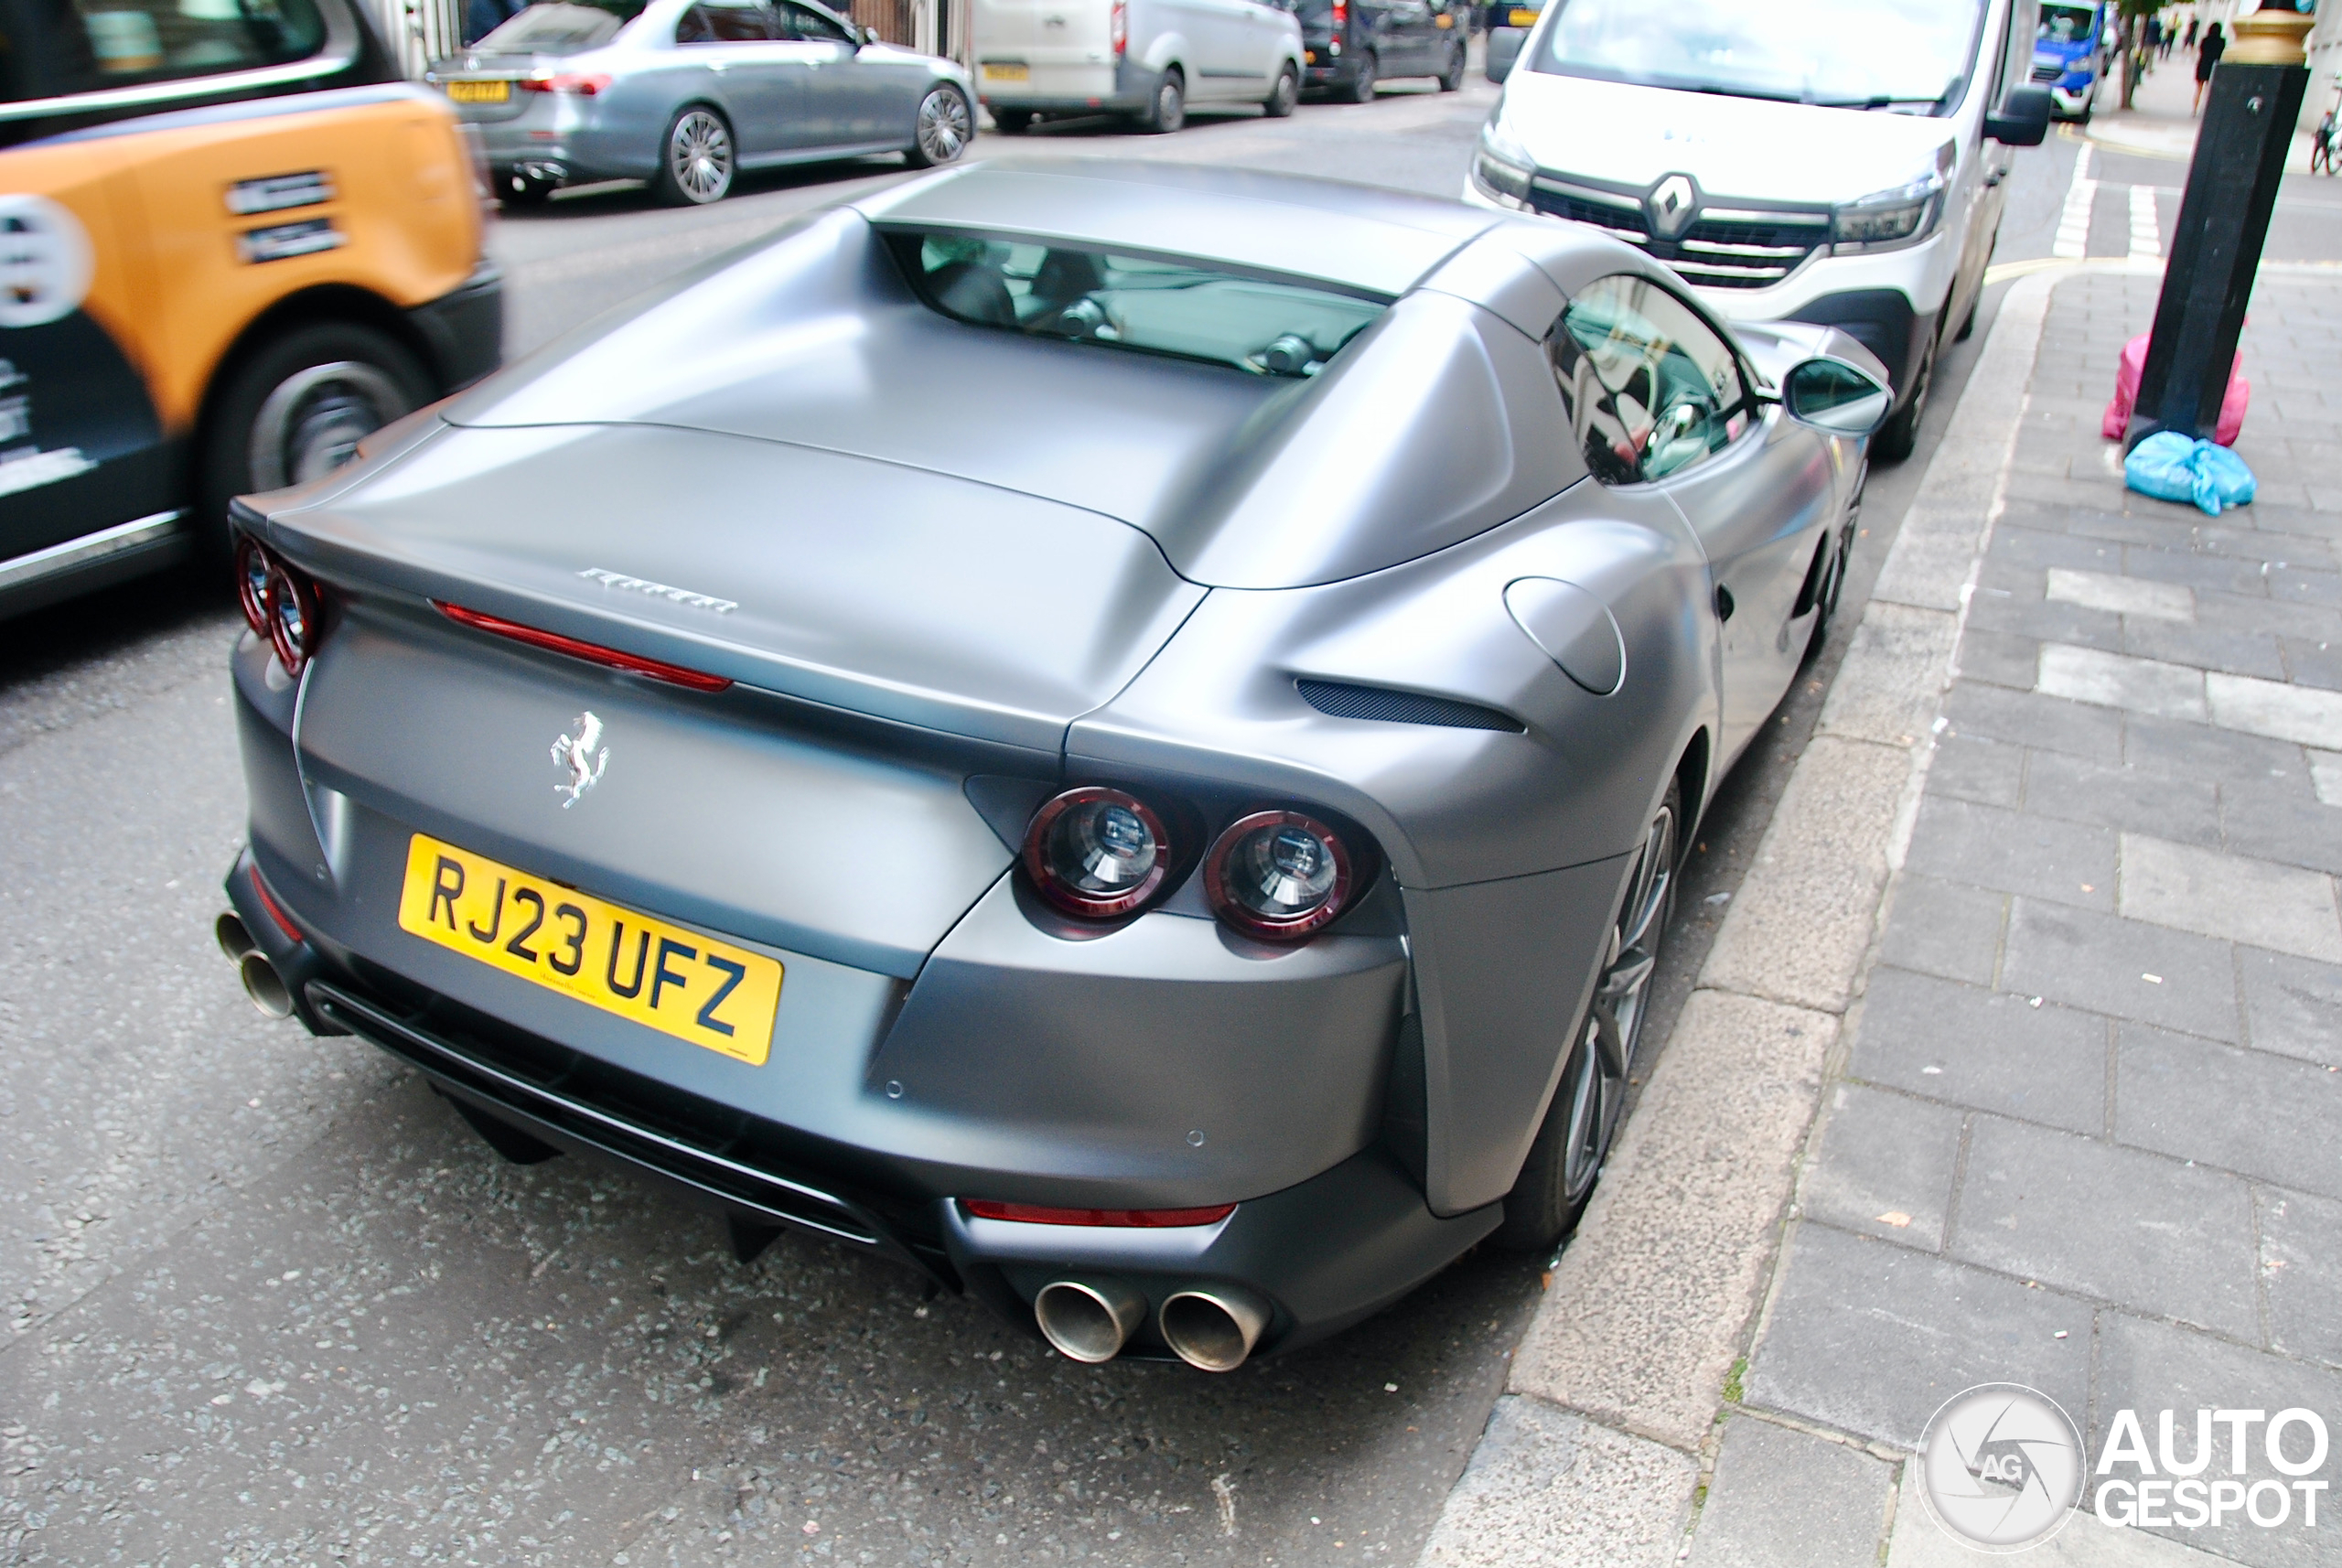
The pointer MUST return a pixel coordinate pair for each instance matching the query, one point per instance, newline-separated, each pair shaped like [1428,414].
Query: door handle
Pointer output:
[1724,602]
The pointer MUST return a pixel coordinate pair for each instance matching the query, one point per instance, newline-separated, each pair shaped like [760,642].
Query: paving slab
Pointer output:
[2293,1005]
[2114,1223]
[2271,708]
[1549,1489]
[2084,1542]
[2016,851]
[2127,969]
[2174,805]
[1944,928]
[1784,1499]
[1871,1338]
[1653,1294]
[2262,1115]
[2255,902]
[2148,1366]
[2029,718]
[2120,680]
[1893,679]
[2301,1271]
[1971,767]
[1885,1166]
[2122,596]
[1991,1050]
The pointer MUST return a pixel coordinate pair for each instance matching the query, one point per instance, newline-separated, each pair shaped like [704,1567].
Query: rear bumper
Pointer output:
[465,328]
[1130,90]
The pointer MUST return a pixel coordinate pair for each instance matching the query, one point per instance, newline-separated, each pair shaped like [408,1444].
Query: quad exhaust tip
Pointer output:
[262,982]
[1090,1319]
[1213,1327]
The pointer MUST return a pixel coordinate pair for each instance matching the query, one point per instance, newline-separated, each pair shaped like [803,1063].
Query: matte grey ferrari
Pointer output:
[1121,735]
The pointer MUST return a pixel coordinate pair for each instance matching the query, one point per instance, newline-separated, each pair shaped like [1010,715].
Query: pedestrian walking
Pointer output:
[2193,25]
[2154,40]
[2207,57]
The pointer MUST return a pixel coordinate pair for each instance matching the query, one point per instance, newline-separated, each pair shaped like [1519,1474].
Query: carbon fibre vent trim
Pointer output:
[1402,707]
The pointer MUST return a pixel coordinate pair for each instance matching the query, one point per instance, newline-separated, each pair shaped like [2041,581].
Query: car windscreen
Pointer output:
[1912,55]
[561,28]
[2067,24]
[1188,309]
[81,46]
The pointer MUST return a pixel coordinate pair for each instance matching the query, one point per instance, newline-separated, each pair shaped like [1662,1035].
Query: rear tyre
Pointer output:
[945,127]
[1168,111]
[1361,87]
[695,159]
[1011,121]
[295,408]
[1968,322]
[1279,103]
[1451,79]
[1557,1180]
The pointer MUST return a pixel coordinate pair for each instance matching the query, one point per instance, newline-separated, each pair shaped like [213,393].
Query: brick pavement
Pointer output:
[2047,928]
[2083,1134]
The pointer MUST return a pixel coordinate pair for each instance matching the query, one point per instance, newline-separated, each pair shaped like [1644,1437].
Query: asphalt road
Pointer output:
[267,1300]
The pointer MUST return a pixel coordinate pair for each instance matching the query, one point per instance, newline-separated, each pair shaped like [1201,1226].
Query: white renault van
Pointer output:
[1146,59]
[1837,162]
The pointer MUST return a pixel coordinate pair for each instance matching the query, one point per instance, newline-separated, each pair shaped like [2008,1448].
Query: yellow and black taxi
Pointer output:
[232,244]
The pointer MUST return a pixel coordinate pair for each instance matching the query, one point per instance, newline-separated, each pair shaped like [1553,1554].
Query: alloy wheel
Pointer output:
[1621,999]
[945,126]
[312,422]
[698,156]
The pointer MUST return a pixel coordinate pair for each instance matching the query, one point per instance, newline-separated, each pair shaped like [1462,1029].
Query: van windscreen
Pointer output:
[1910,54]
[1185,308]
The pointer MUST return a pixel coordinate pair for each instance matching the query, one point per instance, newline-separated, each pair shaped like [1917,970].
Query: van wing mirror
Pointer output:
[2022,118]
[1504,48]
[1834,396]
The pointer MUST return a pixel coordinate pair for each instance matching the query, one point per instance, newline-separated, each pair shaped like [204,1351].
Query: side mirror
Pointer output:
[1833,396]
[2022,118]
[1504,48]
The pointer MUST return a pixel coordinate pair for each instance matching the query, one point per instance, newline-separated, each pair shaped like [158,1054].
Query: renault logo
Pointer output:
[1672,205]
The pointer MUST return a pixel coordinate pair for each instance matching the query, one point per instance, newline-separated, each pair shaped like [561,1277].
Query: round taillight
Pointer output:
[292,617]
[1097,853]
[1278,875]
[252,566]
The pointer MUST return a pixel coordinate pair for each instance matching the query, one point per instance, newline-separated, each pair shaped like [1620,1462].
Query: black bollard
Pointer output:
[2215,250]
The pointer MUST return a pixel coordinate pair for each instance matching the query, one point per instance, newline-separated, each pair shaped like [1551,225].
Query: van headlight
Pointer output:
[1886,220]
[1502,168]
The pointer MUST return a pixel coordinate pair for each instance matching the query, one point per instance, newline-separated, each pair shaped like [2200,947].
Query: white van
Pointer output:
[1147,59]
[1839,162]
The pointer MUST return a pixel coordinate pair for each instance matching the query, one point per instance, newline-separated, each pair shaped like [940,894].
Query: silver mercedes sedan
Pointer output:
[685,94]
[1121,735]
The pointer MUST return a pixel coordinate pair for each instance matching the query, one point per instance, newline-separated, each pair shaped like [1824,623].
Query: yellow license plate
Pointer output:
[679,981]
[995,71]
[480,92]
[1522,17]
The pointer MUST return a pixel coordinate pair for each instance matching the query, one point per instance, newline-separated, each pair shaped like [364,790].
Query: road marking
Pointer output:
[2073,224]
[2146,239]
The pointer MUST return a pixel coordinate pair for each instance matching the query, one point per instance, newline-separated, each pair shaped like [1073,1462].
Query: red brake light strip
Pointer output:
[275,911]
[1135,1218]
[593,653]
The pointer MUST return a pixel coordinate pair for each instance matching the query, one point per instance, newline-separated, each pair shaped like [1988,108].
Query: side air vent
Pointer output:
[1402,707]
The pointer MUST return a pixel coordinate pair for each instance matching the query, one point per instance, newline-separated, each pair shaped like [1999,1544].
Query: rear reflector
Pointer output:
[593,653]
[276,911]
[1134,1219]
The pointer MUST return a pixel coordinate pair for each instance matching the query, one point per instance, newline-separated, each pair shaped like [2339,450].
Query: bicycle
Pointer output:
[2324,146]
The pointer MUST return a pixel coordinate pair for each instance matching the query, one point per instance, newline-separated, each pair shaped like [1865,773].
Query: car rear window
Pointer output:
[561,28]
[87,45]
[1188,309]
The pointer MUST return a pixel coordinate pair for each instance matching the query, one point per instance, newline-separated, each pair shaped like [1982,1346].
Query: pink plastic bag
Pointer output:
[2126,393]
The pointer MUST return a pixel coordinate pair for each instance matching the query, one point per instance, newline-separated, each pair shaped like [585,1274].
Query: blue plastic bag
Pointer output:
[2171,468]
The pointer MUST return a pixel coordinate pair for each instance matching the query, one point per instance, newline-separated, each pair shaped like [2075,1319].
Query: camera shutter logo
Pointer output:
[2000,1468]
[45,260]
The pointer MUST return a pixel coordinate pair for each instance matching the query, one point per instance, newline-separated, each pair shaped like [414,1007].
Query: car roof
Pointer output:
[1378,242]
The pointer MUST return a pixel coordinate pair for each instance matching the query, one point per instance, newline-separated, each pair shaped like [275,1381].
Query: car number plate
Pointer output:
[479,92]
[1000,70]
[679,981]
[1522,17]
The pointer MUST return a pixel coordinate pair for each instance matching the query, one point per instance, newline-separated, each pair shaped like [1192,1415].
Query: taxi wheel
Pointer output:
[1451,79]
[1280,102]
[1361,87]
[694,159]
[294,410]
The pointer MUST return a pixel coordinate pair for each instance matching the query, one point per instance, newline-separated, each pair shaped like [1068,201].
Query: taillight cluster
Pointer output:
[1100,854]
[577,83]
[280,603]
[1118,28]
